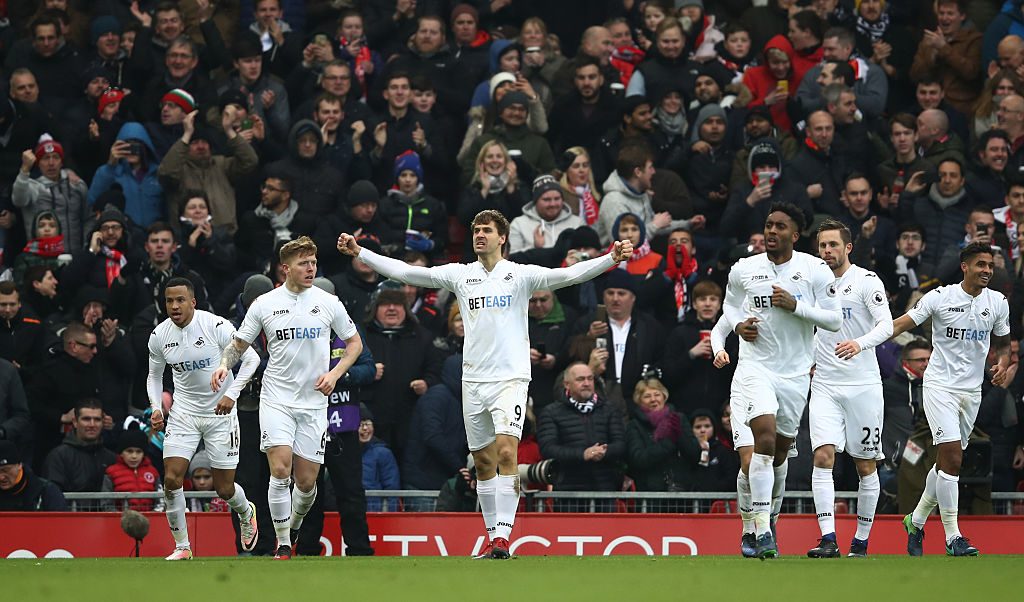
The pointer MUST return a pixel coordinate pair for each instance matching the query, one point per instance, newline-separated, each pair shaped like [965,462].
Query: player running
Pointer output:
[297,319]
[774,300]
[846,406]
[493,294]
[967,319]
[190,342]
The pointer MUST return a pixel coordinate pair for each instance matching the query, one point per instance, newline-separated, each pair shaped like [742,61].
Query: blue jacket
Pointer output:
[1008,21]
[482,93]
[436,448]
[380,471]
[144,199]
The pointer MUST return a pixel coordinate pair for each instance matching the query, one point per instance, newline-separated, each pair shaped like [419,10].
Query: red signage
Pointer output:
[64,535]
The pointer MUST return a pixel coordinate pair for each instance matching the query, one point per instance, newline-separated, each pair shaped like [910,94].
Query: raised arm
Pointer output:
[556,278]
[392,268]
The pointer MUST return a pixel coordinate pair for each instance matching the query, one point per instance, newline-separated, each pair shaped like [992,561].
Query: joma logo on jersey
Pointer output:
[958,310]
[474,280]
[759,278]
[489,302]
[278,312]
[170,345]
[289,334]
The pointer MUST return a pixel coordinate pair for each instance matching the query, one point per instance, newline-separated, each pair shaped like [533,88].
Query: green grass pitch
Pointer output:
[625,578]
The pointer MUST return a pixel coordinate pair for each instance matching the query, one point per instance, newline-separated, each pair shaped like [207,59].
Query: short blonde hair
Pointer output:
[299,247]
[642,386]
[477,176]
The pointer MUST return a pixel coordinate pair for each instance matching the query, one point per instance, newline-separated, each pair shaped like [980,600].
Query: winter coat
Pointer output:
[740,220]
[813,166]
[15,420]
[76,466]
[354,292]
[144,198]
[407,354]
[871,88]
[695,383]
[256,239]
[65,199]
[23,339]
[957,65]
[58,75]
[179,173]
[437,437]
[645,344]
[380,471]
[571,126]
[663,465]
[144,477]
[520,235]
[943,227]
[213,257]
[419,212]
[278,116]
[564,433]
[553,332]
[316,185]
[438,68]
[705,173]
[33,493]
[765,23]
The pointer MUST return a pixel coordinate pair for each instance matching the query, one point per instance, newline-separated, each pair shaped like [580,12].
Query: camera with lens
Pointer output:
[542,472]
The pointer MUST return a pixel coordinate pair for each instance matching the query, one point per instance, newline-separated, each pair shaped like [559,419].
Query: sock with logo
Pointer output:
[506,501]
[824,491]
[743,502]
[867,499]
[947,490]
[174,508]
[485,493]
[762,479]
[280,501]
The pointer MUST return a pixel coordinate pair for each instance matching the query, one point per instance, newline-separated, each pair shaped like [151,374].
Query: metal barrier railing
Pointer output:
[641,502]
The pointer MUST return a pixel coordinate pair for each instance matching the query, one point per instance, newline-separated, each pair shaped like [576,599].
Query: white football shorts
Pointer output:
[950,415]
[302,429]
[848,417]
[183,432]
[757,392]
[490,409]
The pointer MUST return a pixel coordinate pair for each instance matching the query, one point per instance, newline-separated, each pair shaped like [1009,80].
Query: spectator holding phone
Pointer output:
[980,227]
[940,203]
[132,164]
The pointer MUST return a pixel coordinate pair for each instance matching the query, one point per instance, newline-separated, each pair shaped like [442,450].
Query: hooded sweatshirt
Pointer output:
[620,198]
[520,235]
[316,185]
[760,81]
[144,202]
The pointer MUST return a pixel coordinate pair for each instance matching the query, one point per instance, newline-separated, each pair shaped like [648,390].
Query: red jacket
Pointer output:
[143,478]
[760,81]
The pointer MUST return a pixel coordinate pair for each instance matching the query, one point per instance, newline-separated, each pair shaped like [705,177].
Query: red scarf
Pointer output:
[50,246]
[700,36]
[589,207]
[679,273]
[115,261]
[358,60]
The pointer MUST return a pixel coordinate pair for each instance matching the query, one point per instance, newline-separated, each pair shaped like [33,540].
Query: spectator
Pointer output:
[409,211]
[342,147]
[766,21]
[543,219]
[709,163]
[109,252]
[133,472]
[207,249]
[541,60]
[550,323]
[681,269]
[579,191]
[132,165]
[335,78]
[120,69]
[1011,214]
[941,208]
[452,342]
[23,339]
[644,265]
[871,86]
[192,165]
[663,453]
[980,226]
[718,464]
[495,185]
[931,95]
[471,43]
[436,447]
[758,125]
[583,433]
[766,185]
[362,218]
[952,52]
[1004,83]
[771,82]
[44,248]
[39,288]
[506,59]
[407,365]
[887,46]
[636,127]
[511,130]
[595,43]
[1010,119]
[851,134]
[907,277]
[702,35]
[315,183]
[428,55]
[987,180]
[56,64]
[667,65]
[174,107]
[268,94]
[905,162]
[277,219]
[355,285]
[819,166]
[15,422]
[80,462]
[580,117]
[54,190]
[200,475]
[179,71]
[380,469]
[20,489]
[936,141]
[875,235]
[902,393]
[280,44]
[806,34]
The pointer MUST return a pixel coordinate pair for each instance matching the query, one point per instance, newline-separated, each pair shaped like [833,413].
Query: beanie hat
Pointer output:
[715,72]
[103,25]
[233,96]
[181,98]
[112,95]
[388,291]
[364,412]
[201,459]
[48,145]
[256,285]
[544,183]
[463,9]
[409,160]
[685,3]
[93,71]
[363,191]
[89,294]
[112,215]
[515,97]
[9,453]
[761,111]
[498,78]
[584,237]
[619,278]
[764,153]
[707,112]
[132,437]
[247,45]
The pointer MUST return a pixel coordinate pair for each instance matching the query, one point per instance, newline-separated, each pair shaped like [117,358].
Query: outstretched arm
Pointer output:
[392,268]
[557,278]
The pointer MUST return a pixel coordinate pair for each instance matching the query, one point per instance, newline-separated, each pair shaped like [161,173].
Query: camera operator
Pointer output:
[980,227]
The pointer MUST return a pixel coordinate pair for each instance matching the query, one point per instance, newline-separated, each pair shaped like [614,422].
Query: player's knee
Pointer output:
[765,444]
[226,491]
[825,457]
[506,456]
[866,468]
[173,482]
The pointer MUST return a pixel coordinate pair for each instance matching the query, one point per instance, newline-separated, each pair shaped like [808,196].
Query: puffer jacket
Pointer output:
[564,433]
[144,477]
[66,199]
[520,235]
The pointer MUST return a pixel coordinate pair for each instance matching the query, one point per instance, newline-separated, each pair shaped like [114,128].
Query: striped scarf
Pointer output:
[588,204]
[115,261]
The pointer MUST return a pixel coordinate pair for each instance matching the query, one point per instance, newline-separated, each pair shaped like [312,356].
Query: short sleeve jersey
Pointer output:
[862,296]
[962,329]
[298,328]
[193,354]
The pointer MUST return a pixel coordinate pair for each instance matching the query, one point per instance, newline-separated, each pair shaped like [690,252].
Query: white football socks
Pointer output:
[239,503]
[506,501]
[947,491]
[779,489]
[280,501]
[302,501]
[867,500]
[485,493]
[743,501]
[762,478]
[928,501]
[175,511]
[824,490]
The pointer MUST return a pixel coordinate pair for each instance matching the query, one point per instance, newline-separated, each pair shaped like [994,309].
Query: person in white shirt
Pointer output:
[773,301]
[846,407]
[190,342]
[494,295]
[297,319]
[967,320]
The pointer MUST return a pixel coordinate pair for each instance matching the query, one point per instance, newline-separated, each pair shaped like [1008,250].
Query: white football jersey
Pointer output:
[962,327]
[298,328]
[494,306]
[785,341]
[193,353]
[866,319]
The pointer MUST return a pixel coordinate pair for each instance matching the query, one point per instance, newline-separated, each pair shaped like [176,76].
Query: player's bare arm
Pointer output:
[232,353]
[903,324]
[353,347]
[1000,371]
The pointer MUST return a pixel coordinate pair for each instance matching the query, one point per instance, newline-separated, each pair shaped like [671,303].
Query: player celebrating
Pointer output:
[967,319]
[846,406]
[297,319]
[190,341]
[493,294]
[774,300]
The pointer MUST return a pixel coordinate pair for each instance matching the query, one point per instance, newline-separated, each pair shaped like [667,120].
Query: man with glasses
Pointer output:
[107,253]
[179,69]
[277,219]
[335,79]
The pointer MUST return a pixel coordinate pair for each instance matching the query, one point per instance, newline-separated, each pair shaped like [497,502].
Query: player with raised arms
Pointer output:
[297,319]
[846,407]
[494,294]
[190,341]
[967,319]
[773,301]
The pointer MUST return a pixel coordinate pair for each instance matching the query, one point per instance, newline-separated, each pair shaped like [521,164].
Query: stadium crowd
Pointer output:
[146,140]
